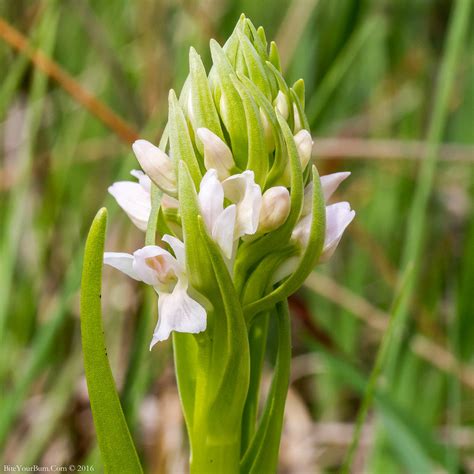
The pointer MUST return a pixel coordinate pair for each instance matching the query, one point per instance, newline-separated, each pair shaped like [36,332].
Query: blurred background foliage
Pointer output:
[370,69]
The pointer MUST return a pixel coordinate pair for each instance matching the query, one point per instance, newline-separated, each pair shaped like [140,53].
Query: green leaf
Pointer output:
[262,455]
[115,443]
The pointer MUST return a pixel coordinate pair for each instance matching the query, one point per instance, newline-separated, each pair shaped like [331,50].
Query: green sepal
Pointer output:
[257,148]
[255,65]
[274,56]
[230,105]
[308,259]
[180,141]
[204,111]
[262,455]
[115,443]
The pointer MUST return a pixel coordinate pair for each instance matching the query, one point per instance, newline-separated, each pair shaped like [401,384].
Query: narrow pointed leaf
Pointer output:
[115,443]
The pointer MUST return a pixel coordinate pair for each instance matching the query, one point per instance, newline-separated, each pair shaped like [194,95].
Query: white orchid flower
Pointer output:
[166,273]
[134,198]
[338,217]
[227,224]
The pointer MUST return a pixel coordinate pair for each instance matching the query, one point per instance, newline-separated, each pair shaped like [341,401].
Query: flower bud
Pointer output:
[217,154]
[304,145]
[275,209]
[156,164]
[281,104]
[296,114]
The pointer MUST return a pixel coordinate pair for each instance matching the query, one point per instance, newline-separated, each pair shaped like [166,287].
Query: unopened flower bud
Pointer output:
[298,126]
[275,209]
[156,164]
[281,104]
[304,145]
[267,128]
[217,154]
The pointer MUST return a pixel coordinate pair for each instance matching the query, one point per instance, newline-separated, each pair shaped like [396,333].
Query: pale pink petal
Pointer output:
[155,266]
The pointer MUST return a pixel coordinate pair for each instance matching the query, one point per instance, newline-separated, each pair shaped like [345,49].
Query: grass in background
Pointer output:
[370,70]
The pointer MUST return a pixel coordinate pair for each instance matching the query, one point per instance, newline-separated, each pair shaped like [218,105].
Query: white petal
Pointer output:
[223,230]
[143,179]
[155,266]
[178,249]
[156,164]
[217,154]
[177,311]
[242,190]
[338,217]
[211,198]
[134,200]
[331,182]
[121,261]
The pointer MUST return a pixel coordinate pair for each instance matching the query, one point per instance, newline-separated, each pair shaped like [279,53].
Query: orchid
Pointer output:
[232,179]
[166,273]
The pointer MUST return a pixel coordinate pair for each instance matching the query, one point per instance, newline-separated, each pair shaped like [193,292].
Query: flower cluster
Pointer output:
[240,134]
